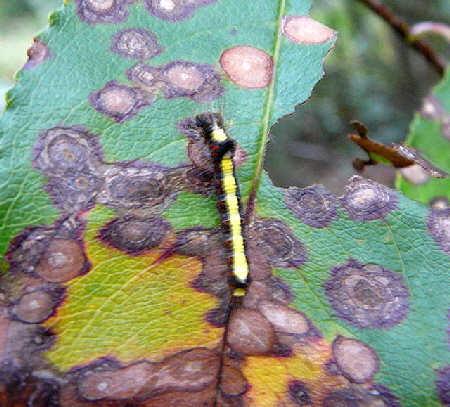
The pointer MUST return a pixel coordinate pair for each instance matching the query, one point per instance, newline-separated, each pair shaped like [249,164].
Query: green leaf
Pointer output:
[430,134]
[118,287]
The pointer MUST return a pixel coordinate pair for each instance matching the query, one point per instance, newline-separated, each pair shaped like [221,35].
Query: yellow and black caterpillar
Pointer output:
[228,198]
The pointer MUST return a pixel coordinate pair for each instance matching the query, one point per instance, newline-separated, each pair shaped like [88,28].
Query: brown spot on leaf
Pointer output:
[303,29]
[432,108]
[279,290]
[146,77]
[355,395]
[247,67]
[199,182]
[120,102]
[314,205]
[250,333]
[257,291]
[197,81]
[70,158]
[116,384]
[192,370]
[273,289]
[135,43]
[27,248]
[439,202]
[76,191]
[284,319]
[138,187]
[218,287]
[23,345]
[218,317]
[357,361]
[439,227]
[200,156]
[196,241]
[175,10]
[37,53]
[367,296]
[60,149]
[35,307]
[183,77]
[215,267]
[102,11]
[233,382]
[207,398]
[276,241]
[415,174]
[135,235]
[443,385]
[367,200]
[299,393]
[21,388]
[63,260]
[259,265]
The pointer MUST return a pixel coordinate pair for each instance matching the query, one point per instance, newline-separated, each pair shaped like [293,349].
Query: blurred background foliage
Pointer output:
[371,76]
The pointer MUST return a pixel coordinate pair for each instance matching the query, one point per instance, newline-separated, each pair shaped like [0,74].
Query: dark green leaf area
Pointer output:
[430,134]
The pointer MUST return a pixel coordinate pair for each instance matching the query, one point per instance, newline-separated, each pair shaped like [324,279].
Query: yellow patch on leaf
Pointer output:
[130,307]
[270,377]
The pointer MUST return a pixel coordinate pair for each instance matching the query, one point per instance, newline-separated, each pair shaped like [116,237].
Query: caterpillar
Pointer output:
[229,205]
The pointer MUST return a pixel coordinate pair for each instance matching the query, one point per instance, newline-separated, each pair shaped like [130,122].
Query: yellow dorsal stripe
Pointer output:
[222,150]
[240,265]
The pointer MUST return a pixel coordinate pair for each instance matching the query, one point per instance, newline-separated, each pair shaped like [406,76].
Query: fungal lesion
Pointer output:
[433,109]
[178,79]
[135,235]
[438,227]
[305,30]
[366,200]
[79,178]
[374,394]
[299,393]
[193,370]
[199,82]
[442,384]
[101,11]
[40,259]
[36,306]
[120,102]
[53,254]
[356,360]
[247,67]
[175,10]
[135,43]
[367,295]
[314,205]
[37,53]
